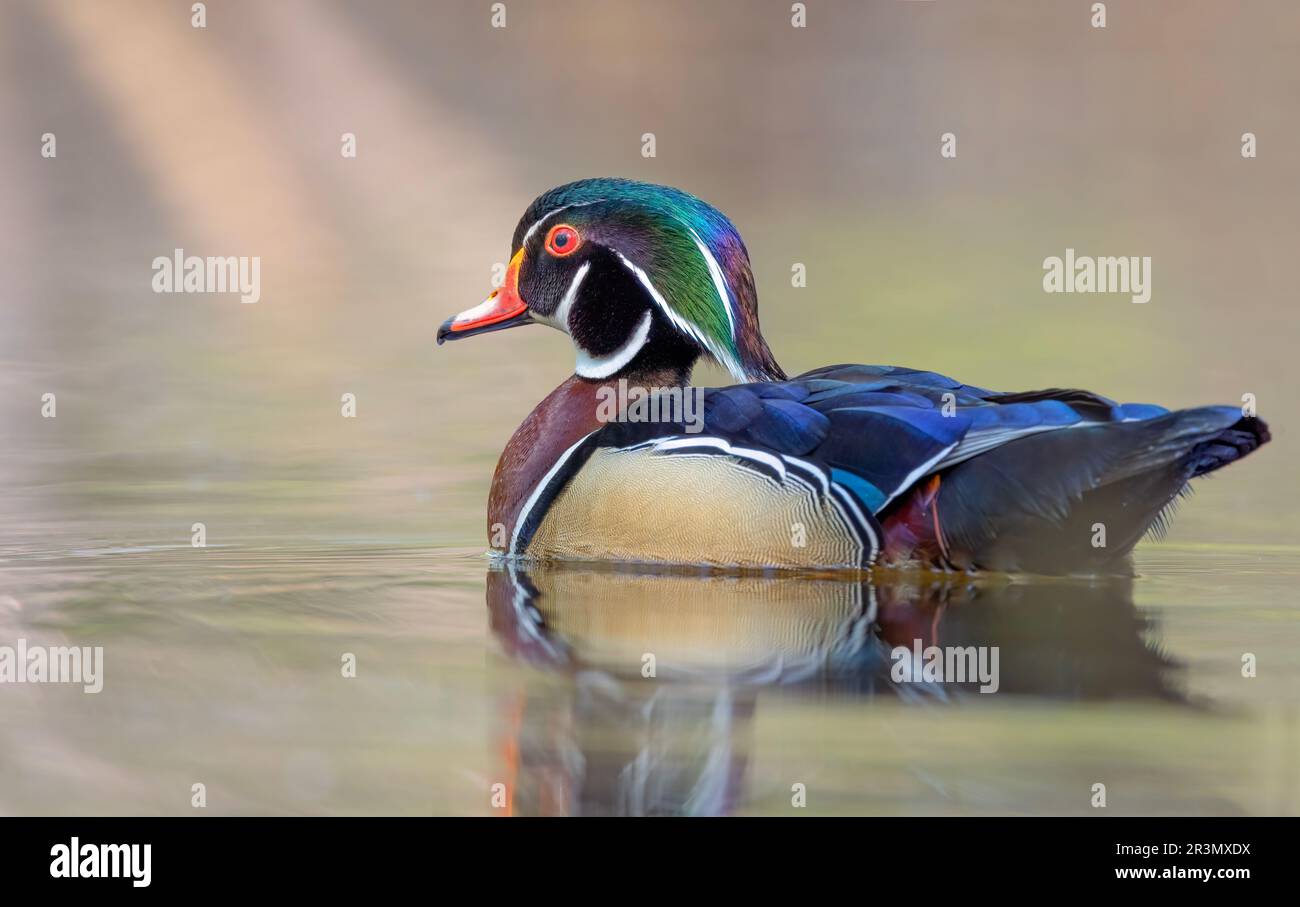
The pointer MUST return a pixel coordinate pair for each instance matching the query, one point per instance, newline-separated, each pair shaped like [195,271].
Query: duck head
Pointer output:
[642,278]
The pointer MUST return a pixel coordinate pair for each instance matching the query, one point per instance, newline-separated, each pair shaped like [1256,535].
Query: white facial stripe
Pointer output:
[589,366]
[728,361]
[537,223]
[537,493]
[561,317]
[719,282]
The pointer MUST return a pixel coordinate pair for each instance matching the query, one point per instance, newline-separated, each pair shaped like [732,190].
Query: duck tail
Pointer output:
[1244,436]
[1078,500]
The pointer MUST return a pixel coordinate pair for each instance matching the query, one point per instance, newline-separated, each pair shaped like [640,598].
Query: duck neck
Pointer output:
[567,415]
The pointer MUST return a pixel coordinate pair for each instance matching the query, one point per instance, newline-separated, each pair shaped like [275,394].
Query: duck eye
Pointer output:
[562,240]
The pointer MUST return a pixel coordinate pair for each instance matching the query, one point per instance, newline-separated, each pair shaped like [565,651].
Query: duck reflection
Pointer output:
[653,677]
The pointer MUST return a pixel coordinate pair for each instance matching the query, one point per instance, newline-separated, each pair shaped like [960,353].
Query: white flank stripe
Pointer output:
[820,474]
[848,499]
[537,492]
[866,524]
[840,499]
[975,443]
[744,453]
[926,467]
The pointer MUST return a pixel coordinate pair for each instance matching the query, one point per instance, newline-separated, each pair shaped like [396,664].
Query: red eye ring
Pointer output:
[562,240]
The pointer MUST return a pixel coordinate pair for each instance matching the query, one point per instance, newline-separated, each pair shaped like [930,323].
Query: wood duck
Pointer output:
[845,466]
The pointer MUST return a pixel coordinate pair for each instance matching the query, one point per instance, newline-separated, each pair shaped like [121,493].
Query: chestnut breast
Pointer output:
[566,415]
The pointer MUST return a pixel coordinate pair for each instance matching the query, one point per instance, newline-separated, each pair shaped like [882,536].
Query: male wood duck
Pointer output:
[843,466]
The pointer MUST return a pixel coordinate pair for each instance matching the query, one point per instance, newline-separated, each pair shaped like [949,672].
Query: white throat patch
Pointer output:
[589,366]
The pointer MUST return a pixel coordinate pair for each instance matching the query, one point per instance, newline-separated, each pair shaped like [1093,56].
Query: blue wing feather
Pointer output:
[879,430]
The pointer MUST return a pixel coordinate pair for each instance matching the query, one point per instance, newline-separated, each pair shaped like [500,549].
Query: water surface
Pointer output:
[223,666]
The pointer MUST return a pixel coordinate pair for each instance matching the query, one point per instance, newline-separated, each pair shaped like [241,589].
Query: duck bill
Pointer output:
[505,308]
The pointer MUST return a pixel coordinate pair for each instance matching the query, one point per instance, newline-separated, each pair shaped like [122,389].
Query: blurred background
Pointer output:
[821,143]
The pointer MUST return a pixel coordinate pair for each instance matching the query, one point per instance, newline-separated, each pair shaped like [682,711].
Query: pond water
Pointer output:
[224,666]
